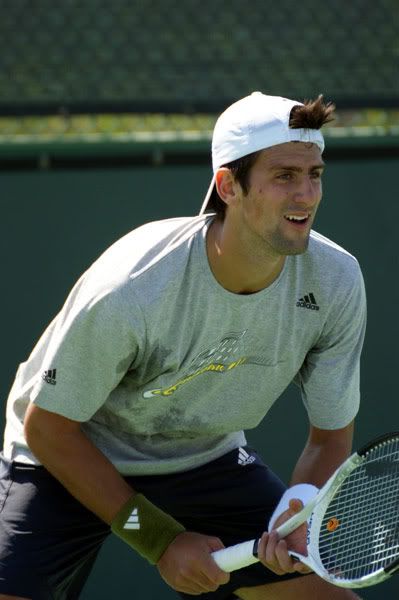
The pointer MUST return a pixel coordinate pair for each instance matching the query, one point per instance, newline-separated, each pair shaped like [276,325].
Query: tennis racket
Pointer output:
[353,521]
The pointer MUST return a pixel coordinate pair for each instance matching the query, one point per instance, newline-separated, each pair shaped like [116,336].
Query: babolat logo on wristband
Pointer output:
[133,521]
[145,527]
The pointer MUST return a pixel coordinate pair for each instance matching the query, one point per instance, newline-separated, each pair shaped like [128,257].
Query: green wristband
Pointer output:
[145,527]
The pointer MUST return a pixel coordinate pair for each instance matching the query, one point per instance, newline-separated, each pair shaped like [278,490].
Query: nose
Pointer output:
[308,191]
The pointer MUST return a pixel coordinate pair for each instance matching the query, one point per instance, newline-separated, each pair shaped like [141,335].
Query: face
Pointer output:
[284,193]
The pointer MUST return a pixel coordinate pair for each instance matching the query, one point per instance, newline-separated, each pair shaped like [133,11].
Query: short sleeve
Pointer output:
[88,350]
[330,375]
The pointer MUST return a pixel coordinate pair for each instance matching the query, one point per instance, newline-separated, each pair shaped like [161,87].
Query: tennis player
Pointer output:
[129,415]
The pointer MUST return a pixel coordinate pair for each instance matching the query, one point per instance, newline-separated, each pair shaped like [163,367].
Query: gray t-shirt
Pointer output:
[165,368]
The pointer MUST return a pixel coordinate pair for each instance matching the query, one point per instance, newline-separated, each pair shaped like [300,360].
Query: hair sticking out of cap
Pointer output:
[260,121]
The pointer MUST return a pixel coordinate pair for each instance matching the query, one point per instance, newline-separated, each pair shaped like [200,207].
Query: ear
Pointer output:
[226,185]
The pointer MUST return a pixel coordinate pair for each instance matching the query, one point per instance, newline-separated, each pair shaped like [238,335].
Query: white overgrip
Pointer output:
[235,557]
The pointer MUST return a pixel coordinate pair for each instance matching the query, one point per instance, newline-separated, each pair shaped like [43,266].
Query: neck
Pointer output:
[236,268]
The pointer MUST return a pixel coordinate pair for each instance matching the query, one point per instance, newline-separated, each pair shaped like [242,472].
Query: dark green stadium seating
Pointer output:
[192,55]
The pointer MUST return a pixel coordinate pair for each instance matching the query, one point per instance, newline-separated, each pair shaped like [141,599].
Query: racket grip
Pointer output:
[236,557]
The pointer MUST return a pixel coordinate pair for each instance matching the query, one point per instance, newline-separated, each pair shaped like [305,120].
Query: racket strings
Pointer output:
[359,533]
[352,549]
[377,527]
[356,556]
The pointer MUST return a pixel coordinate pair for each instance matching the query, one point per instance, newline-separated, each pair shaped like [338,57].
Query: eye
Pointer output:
[285,176]
[316,174]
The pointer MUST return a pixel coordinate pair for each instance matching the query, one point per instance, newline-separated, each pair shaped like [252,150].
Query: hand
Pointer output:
[273,552]
[187,565]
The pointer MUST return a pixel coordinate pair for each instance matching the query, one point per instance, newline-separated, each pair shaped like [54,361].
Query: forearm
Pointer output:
[323,453]
[80,467]
[184,561]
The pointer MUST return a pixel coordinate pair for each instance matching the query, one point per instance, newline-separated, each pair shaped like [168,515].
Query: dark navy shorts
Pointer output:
[49,541]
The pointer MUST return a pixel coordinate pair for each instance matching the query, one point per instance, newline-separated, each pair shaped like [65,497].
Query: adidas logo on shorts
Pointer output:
[244,458]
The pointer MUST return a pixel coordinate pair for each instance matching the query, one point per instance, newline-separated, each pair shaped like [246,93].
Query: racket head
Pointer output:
[353,533]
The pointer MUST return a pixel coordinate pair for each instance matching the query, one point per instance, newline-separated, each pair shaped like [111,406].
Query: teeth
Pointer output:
[295,218]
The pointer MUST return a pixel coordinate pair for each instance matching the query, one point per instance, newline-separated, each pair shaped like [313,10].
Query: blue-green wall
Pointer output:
[54,223]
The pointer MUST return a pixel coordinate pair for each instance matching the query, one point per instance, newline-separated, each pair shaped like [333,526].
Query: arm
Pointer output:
[330,383]
[67,453]
[61,446]
[324,451]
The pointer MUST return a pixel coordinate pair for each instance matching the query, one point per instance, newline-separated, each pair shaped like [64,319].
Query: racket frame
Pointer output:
[244,554]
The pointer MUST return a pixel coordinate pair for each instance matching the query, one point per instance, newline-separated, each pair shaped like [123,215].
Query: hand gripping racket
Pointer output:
[353,521]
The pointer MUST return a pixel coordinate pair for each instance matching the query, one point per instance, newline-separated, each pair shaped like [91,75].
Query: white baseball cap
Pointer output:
[254,123]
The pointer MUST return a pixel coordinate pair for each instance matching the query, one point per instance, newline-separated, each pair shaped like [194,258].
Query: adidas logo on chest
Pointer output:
[308,301]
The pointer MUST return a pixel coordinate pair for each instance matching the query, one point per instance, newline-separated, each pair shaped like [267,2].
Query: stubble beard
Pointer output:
[287,247]
[276,245]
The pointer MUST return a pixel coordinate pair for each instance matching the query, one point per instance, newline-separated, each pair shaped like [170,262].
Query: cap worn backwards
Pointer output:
[251,124]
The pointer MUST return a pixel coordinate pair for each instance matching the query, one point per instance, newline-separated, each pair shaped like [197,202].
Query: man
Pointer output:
[129,413]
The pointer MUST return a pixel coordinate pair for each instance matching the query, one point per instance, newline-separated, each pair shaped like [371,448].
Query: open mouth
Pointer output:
[298,219]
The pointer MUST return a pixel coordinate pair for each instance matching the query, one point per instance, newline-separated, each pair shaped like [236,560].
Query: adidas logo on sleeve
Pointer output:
[49,376]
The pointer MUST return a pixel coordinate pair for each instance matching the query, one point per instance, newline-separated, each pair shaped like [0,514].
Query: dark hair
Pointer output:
[313,114]
[240,169]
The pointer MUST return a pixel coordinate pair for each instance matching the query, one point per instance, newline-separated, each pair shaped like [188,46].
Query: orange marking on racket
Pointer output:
[332,524]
